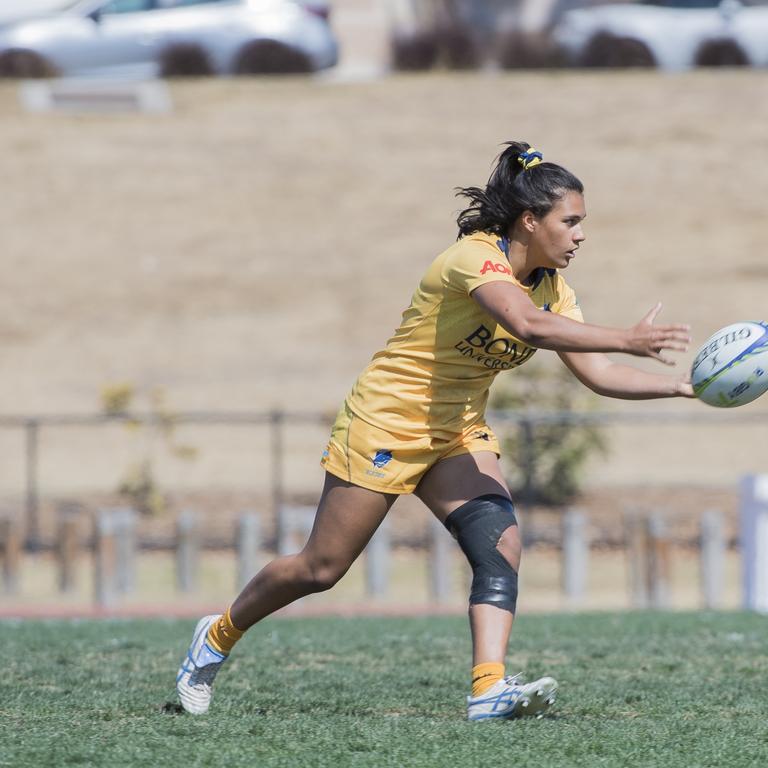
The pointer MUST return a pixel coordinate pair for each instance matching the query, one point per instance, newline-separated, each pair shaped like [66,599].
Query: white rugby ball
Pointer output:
[731,368]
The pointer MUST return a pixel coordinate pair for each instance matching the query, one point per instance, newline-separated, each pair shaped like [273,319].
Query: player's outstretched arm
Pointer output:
[512,308]
[598,372]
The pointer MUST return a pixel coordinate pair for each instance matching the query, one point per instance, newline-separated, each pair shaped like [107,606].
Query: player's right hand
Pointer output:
[648,340]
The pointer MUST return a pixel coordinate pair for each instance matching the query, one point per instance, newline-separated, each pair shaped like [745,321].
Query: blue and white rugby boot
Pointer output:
[194,679]
[510,698]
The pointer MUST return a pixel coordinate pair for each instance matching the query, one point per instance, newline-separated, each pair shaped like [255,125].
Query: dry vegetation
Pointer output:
[255,247]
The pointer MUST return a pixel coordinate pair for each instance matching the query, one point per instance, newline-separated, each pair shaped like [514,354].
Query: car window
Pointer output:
[181,3]
[68,6]
[561,7]
[684,3]
[200,2]
[127,6]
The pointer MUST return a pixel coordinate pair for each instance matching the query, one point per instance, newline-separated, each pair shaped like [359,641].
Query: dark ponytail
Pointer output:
[516,185]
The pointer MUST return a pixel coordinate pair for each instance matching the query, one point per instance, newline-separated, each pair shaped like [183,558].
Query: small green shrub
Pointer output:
[139,486]
[546,460]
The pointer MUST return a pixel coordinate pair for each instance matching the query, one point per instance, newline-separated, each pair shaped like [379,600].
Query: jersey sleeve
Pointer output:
[474,263]
[567,304]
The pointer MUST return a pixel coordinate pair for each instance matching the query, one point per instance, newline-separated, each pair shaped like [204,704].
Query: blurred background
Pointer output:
[214,213]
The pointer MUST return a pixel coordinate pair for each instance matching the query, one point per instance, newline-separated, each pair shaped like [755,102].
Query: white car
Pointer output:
[147,38]
[670,34]
[15,10]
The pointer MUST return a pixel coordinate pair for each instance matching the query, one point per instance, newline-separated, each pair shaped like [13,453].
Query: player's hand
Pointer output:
[649,340]
[683,386]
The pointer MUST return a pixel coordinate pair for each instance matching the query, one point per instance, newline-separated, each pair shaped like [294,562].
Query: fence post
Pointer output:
[635,536]
[575,556]
[658,561]
[248,535]
[32,440]
[276,420]
[377,562]
[712,558]
[187,551]
[753,535]
[440,551]
[68,547]
[104,556]
[125,549]
[296,520]
[527,460]
[10,549]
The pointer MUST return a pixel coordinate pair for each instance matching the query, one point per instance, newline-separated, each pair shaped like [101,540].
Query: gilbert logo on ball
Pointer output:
[731,368]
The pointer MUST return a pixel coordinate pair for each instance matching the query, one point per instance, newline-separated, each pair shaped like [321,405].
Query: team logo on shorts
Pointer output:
[480,435]
[382,458]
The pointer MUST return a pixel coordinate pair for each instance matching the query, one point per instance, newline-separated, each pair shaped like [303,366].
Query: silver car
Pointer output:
[670,34]
[148,38]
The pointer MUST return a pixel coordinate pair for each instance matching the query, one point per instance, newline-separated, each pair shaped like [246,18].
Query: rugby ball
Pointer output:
[731,368]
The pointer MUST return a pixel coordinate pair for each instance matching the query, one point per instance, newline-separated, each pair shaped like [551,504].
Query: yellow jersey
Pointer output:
[433,377]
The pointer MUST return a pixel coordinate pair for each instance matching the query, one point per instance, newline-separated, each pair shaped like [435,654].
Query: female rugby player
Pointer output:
[414,420]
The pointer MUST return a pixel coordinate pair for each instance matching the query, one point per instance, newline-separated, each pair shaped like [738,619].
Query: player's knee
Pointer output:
[323,573]
[486,529]
[510,546]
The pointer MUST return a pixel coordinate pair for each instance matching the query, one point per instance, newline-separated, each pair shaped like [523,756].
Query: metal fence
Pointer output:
[31,426]
[750,425]
[114,552]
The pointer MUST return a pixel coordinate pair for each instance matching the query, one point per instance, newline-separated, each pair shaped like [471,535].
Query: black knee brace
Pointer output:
[478,526]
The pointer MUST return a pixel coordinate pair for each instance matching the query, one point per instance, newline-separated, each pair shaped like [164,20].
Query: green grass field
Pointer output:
[637,689]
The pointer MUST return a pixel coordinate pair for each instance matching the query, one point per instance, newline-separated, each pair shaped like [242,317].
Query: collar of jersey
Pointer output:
[538,274]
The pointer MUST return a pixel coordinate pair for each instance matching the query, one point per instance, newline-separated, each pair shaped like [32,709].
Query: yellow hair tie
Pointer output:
[530,158]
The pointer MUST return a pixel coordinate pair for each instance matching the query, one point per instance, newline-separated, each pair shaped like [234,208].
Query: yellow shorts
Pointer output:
[381,461]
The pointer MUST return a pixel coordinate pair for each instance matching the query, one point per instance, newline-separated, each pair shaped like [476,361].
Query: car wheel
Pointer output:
[518,50]
[414,53]
[457,48]
[721,53]
[185,60]
[606,50]
[268,57]
[25,64]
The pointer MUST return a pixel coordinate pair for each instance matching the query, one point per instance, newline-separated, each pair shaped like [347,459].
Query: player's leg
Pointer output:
[467,492]
[346,518]
[450,484]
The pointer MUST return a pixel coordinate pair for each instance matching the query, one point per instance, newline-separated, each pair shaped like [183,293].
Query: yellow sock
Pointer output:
[485,675]
[223,634]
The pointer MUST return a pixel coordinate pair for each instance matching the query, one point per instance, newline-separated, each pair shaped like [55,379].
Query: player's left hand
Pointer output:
[683,386]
